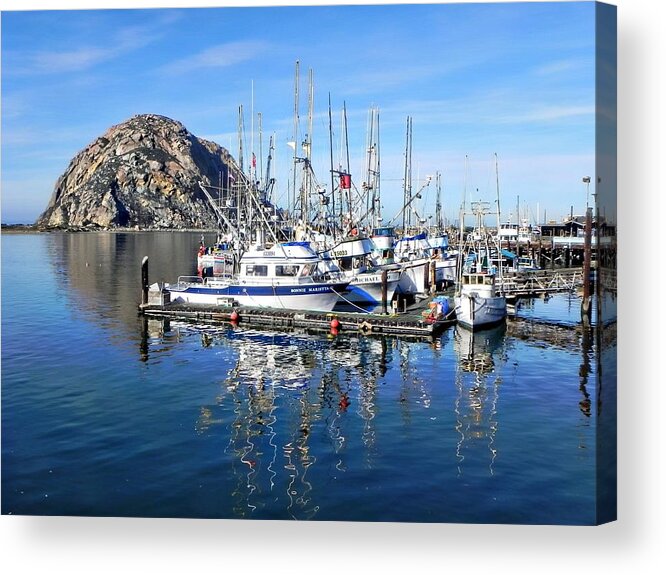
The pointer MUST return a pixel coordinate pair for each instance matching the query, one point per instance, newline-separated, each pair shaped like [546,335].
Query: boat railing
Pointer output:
[190,280]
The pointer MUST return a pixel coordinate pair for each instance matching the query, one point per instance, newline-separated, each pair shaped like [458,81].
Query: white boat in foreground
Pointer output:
[285,276]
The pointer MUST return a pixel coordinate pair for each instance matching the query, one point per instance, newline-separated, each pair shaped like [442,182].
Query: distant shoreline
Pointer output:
[33,229]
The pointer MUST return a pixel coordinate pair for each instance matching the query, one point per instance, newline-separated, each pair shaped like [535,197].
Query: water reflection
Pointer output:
[478,380]
[101,271]
[283,387]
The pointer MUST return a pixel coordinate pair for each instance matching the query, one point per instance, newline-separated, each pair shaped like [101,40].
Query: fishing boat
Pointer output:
[479,302]
[217,260]
[285,276]
[352,258]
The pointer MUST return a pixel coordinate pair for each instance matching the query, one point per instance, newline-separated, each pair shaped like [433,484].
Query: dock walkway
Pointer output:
[410,322]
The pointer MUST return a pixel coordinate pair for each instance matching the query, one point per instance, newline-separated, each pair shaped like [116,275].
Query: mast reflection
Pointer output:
[281,387]
[477,382]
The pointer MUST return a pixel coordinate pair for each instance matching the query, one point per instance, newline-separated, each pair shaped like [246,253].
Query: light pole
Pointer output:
[587,180]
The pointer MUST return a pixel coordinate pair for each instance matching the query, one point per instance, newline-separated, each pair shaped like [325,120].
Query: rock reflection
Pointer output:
[478,382]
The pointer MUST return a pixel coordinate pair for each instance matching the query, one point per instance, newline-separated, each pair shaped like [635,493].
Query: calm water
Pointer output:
[105,414]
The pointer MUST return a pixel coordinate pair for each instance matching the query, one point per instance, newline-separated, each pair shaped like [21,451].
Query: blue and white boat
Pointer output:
[352,257]
[285,276]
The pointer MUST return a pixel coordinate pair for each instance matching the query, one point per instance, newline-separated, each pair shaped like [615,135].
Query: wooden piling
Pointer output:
[384,291]
[433,277]
[586,306]
[144,281]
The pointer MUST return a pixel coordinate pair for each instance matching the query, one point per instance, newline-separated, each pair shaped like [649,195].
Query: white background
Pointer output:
[634,544]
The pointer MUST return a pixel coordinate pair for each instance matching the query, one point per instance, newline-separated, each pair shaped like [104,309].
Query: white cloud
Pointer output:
[219,56]
[123,41]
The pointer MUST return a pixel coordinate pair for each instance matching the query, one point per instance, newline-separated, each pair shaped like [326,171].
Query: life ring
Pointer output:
[354,232]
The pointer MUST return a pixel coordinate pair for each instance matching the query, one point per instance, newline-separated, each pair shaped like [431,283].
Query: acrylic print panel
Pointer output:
[396,252]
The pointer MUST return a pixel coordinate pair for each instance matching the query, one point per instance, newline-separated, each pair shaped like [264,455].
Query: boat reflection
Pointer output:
[282,388]
[478,380]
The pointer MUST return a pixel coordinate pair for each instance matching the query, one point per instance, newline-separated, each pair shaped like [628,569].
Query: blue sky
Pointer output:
[516,79]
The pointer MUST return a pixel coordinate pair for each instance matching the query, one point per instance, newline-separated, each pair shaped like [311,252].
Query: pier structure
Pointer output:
[416,321]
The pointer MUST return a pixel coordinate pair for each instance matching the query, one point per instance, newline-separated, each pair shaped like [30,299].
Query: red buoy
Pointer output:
[234,316]
[335,324]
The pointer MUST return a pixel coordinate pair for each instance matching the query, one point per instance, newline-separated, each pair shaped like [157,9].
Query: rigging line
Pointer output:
[349,302]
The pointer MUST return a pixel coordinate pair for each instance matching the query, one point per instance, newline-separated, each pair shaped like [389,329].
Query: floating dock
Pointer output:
[411,322]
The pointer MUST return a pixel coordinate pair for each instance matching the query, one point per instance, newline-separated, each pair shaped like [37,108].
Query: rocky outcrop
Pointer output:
[141,174]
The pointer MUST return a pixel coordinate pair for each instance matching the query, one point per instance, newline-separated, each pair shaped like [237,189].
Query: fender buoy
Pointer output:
[365,326]
[234,316]
[335,324]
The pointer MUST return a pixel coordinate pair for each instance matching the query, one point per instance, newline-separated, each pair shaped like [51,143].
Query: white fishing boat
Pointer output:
[285,276]
[352,258]
[478,300]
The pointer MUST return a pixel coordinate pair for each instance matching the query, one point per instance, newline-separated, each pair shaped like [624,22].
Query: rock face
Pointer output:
[143,174]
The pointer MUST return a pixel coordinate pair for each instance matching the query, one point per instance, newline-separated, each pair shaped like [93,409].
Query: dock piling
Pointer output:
[144,281]
[384,291]
[586,306]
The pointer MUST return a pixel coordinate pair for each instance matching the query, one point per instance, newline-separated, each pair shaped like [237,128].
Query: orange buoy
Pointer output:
[335,324]
[234,316]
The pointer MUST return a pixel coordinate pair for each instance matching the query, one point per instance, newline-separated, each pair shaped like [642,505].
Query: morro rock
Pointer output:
[142,174]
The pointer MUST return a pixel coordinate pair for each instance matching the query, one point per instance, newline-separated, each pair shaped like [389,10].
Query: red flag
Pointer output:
[254,160]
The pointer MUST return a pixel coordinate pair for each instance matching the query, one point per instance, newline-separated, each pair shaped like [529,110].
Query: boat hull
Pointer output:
[413,277]
[366,289]
[477,312]
[313,297]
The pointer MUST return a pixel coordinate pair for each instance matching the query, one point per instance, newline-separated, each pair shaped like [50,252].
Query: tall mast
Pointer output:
[307,184]
[499,241]
[261,153]
[438,204]
[240,137]
[330,138]
[368,184]
[347,171]
[252,156]
[407,183]
[376,192]
[296,139]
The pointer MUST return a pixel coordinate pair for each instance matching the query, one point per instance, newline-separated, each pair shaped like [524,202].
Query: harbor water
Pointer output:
[105,413]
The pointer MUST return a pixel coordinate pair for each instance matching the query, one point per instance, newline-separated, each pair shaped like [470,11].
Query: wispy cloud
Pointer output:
[218,56]
[122,42]
[562,67]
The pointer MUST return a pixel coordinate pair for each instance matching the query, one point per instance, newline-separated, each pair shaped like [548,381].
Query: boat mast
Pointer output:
[376,190]
[499,242]
[307,145]
[367,185]
[262,185]
[407,181]
[295,158]
[438,204]
[347,170]
[330,141]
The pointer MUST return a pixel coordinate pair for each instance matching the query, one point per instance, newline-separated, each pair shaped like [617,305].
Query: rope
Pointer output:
[349,302]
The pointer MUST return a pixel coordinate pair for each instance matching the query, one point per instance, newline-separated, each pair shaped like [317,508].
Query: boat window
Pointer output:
[290,270]
[256,270]
[345,263]
[488,280]
[308,269]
